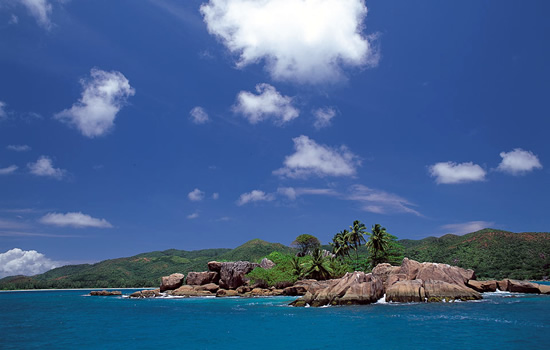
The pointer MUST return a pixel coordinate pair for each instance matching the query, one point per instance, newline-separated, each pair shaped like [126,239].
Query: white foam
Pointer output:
[382,300]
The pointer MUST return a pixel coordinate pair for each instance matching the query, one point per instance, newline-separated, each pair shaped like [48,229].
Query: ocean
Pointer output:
[74,320]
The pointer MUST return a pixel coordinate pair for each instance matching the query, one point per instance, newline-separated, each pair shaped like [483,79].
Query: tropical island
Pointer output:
[492,254]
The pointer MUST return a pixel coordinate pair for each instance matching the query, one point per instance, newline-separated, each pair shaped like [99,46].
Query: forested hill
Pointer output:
[491,253]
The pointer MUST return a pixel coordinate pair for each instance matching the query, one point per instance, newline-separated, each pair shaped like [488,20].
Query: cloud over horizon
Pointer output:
[306,41]
[380,202]
[466,227]
[312,158]
[453,173]
[518,162]
[20,262]
[268,103]
[103,95]
[74,219]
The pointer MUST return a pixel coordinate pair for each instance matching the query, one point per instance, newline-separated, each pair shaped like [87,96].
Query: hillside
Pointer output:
[491,253]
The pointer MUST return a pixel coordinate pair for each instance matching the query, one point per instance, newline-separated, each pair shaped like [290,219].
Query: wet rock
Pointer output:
[483,286]
[171,282]
[200,278]
[406,292]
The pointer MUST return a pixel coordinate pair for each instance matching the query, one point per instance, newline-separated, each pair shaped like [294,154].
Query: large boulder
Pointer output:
[147,293]
[406,292]
[232,274]
[520,286]
[483,286]
[437,290]
[353,288]
[267,264]
[384,271]
[214,266]
[410,268]
[200,278]
[445,273]
[190,291]
[171,282]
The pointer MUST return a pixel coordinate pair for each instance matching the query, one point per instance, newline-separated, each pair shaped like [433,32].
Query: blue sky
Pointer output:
[133,126]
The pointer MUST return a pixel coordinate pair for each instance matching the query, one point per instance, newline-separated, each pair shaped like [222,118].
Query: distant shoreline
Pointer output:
[58,289]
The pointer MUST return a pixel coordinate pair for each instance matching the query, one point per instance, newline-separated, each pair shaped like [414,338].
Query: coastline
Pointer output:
[69,289]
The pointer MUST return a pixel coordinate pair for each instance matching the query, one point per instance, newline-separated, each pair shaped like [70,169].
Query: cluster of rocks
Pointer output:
[105,293]
[410,282]
[223,279]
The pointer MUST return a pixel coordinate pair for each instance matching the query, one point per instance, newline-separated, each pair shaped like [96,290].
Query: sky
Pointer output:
[134,126]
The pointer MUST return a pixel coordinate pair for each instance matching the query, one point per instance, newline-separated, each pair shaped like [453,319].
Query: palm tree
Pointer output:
[356,236]
[297,268]
[340,244]
[378,244]
[319,266]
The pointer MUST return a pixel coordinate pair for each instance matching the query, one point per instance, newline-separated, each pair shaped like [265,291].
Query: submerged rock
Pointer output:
[171,282]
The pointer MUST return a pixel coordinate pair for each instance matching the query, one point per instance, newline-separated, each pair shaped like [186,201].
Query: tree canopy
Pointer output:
[306,243]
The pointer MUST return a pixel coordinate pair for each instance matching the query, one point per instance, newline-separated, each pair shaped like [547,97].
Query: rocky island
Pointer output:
[411,282]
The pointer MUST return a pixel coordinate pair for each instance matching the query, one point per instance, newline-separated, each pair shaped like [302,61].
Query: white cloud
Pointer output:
[215,195]
[13,20]
[466,227]
[254,196]
[380,202]
[518,162]
[267,104]
[40,10]
[8,170]
[199,115]
[18,148]
[307,41]
[196,195]
[193,216]
[3,113]
[323,117]
[311,158]
[292,193]
[453,173]
[44,167]
[103,97]
[24,262]
[78,220]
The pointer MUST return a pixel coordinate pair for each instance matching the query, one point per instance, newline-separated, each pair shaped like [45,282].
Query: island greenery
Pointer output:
[491,253]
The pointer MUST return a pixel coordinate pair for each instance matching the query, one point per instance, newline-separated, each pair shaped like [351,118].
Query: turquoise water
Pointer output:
[70,319]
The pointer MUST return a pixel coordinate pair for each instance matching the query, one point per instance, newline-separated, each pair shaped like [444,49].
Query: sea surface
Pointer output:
[73,320]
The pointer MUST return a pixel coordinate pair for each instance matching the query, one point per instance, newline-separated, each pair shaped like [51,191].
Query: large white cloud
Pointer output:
[466,227]
[267,104]
[518,162]
[103,97]
[24,262]
[312,158]
[307,41]
[44,167]
[8,170]
[199,116]
[255,196]
[380,202]
[40,10]
[196,195]
[453,173]
[74,219]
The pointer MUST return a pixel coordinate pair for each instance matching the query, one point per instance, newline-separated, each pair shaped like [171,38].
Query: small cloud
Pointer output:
[193,216]
[3,113]
[9,170]
[311,158]
[40,10]
[292,193]
[453,173]
[224,218]
[215,195]
[380,202]
[323,117]
[196,195]
[13,20]
[78,220]
[18,148]
[297,40]
[518,162]
[267,104]
[254,196]
[102,98]
[44,167]
[466,227]
[199,115]
[24,262]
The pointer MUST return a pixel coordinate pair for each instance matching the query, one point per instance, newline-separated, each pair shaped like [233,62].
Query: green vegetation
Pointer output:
[491,253]
[306,244]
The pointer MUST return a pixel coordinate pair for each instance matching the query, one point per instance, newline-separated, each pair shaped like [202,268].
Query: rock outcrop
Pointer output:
[147,293]
[200,278]
[105,293]
[409,291]
[482,286]
[173,281]
[520,286]
[232,274]
[267,264]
